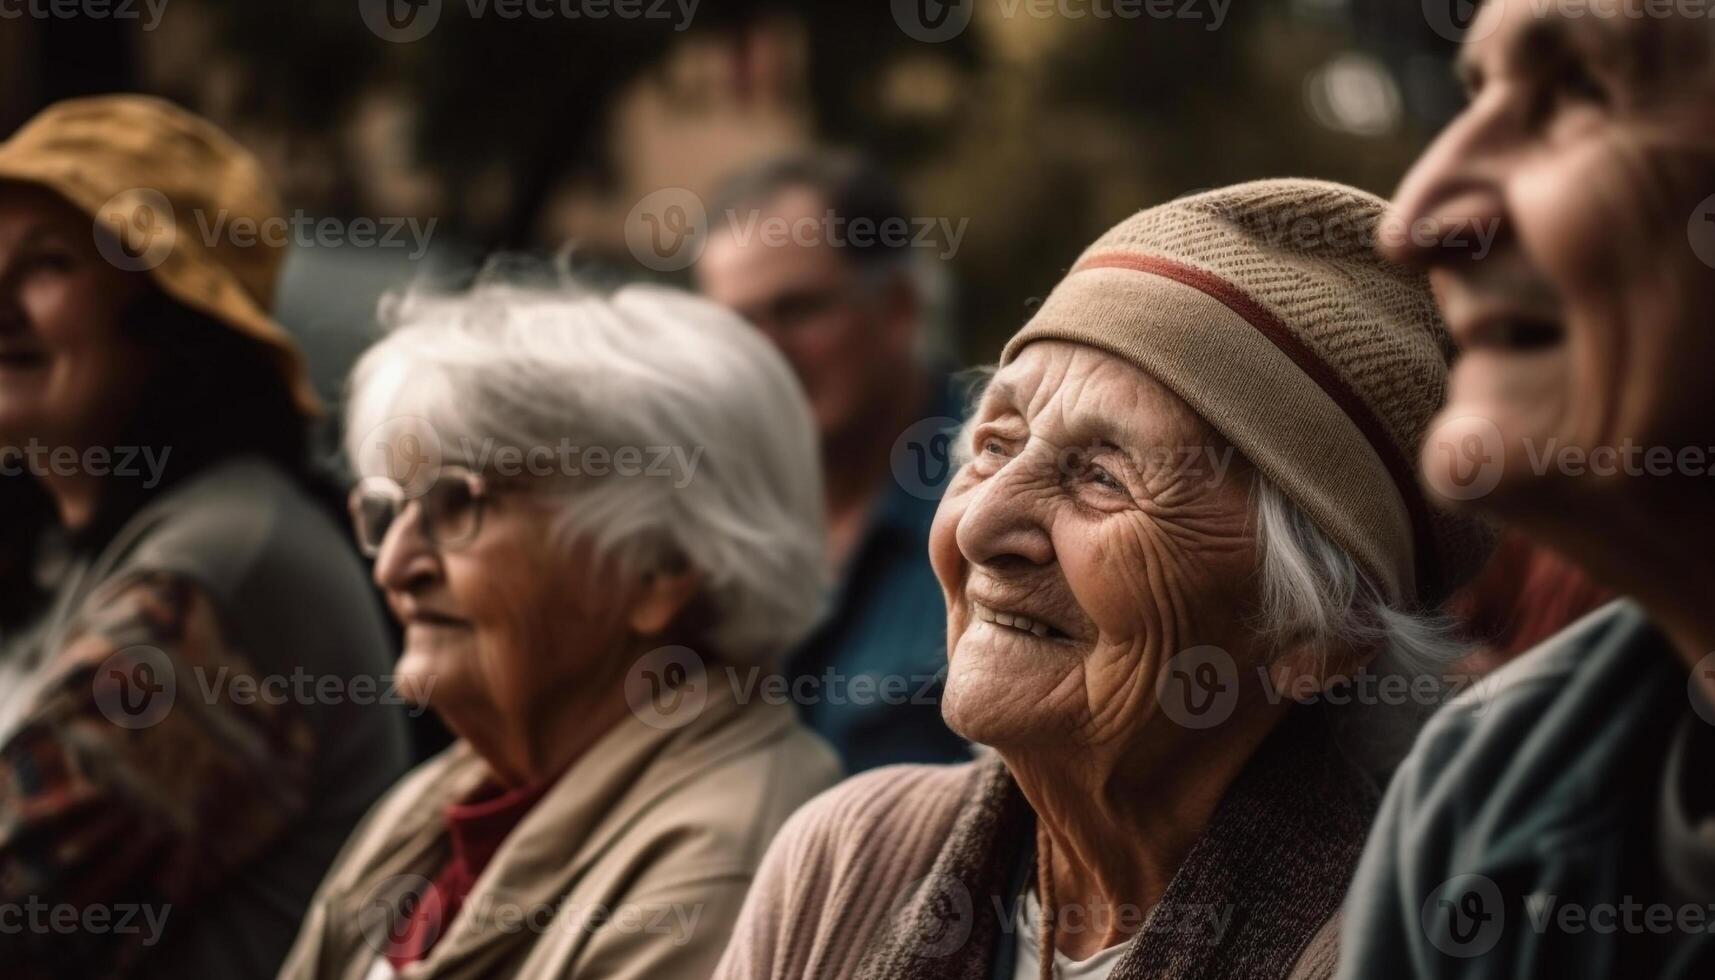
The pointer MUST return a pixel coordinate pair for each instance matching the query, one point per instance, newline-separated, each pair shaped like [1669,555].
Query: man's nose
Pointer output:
[1451,206]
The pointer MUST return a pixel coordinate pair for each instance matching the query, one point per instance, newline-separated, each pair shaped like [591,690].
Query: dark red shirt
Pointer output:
[475,828]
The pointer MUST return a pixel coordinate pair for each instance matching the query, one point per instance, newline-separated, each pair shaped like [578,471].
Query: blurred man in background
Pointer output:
[816,251]
[1561,822]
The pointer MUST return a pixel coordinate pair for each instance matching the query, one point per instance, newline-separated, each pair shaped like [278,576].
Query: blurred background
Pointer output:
[1033,125]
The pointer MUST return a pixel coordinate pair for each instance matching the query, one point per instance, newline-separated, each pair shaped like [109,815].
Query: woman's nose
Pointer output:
[1004,518]
[406,561]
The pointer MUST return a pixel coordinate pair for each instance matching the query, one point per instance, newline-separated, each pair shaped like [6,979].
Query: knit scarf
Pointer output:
[1276,858]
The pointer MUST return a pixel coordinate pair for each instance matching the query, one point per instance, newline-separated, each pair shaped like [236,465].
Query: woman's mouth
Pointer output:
[1016,621]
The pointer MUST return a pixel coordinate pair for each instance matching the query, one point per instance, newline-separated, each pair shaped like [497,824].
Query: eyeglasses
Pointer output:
[449,511]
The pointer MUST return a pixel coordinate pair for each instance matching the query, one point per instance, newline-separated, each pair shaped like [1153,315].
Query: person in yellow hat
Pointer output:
[193,697]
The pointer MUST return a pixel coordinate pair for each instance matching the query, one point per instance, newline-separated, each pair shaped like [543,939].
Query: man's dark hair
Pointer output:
[855,189]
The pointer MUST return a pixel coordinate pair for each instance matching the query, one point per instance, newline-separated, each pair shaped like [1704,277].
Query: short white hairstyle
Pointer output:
[561,364]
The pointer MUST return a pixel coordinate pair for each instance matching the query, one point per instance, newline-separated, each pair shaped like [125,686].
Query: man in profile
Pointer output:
[816,250]
[1560,822]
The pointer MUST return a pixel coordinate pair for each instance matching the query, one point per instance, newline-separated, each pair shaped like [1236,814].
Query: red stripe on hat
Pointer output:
[1404,475]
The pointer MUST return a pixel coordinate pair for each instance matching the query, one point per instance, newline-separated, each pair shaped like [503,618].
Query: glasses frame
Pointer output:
[479,488]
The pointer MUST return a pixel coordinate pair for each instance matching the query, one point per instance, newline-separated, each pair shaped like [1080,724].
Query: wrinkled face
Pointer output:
[1589,145]
[845,336]
[506,627]
[68,372]
[1100,528]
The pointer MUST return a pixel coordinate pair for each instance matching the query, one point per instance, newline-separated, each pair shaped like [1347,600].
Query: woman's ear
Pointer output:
[1303,672]
[661,598]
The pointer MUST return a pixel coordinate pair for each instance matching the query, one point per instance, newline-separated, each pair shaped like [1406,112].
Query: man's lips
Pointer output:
[22,359]
[1508,332]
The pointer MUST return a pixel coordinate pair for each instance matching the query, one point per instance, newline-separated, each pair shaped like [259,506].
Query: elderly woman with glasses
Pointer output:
[594,515]
[1186,512]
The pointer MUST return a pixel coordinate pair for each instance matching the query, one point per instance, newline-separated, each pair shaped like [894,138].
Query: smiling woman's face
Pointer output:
[1100,528]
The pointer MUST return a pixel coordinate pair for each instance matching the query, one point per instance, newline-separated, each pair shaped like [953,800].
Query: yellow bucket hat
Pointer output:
[156,180]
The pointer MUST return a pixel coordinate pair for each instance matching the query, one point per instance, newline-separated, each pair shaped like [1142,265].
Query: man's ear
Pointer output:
[660,600]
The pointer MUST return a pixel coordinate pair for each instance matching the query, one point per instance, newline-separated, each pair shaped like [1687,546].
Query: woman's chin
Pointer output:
[991,707]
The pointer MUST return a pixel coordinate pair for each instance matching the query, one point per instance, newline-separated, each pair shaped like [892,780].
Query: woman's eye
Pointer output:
[993,448]
[1106,480]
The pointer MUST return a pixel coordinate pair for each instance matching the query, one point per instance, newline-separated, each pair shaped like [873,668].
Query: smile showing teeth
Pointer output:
[1025,623]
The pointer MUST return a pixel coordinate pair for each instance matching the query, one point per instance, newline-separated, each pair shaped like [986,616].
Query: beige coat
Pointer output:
[634,865]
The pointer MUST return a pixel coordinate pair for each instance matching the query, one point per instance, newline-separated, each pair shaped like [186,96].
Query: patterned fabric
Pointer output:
[137,783]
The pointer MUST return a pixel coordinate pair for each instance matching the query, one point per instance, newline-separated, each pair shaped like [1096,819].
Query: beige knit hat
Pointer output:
[1266,308]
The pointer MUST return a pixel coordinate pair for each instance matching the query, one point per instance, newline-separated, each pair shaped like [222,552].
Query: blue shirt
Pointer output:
[869,678]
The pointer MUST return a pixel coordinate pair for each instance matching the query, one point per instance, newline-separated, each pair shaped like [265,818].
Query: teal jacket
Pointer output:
[1517,840]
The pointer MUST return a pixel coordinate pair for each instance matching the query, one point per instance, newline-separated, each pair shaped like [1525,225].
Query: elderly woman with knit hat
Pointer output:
[167,805]
[1185,512]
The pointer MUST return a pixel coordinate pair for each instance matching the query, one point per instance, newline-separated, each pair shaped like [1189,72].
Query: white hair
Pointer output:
[560,365]
[1312,591]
